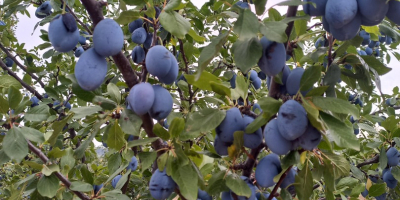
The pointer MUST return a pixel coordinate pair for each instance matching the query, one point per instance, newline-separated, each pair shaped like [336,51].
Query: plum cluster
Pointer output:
[355,99]
[269,167]
[290,81]
[234,121]
[153,99]
[373,46]
[161,185]
[162,63]
[343,18]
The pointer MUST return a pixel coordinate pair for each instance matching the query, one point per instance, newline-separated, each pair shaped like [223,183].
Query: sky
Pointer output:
[26,25]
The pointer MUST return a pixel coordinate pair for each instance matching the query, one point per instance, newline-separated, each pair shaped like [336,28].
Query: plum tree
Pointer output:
[138,54]
[141,98]
[158,61]
[318,10]
[366,7]
[43,10]
[393,156]
[63,32]
[267,168]
[232,122]
[79,51]
[135,24]
[275,141]
[393,11]
[162,105]
[115,180]
[108,38]
[292,120]
[273,57]
[161,185]
[139,35]
[133,164]
[251,140]
[90,70]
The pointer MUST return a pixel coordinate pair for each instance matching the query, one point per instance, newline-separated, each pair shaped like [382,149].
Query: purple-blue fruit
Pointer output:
[181,78]
[372,44]
[148,41]
[141,98]
[366,37]
[162,105]
[170,77]
[293,80]
[348,66]
[158,61]
[63,33]
[273,57]
[267,168]
[97,188]
[347,31]
[232,122]
[274,140]
[135,25]
[393,12]
[393,156]
[382,38]
[226,195]
[381,197]
[352,119]
[9,62]
[372,11]
[310,139]
[368,51]
[90,70]
[389,102]
[325,24]
[161,185]
[340,12]
[356,131]
[108,38]
[292,120]
[318,10]
[377,53]
[389,40]
[138,54]
[131,138]
[79,51]
[133,164]
[115,181]
[251,140]
[233,81]
[319,43]
[203,195]
[389,179]
[256,106]
[35,101]
[139,35]
[256,83]
[362,53]
[253,75]
[252,188]
[262,75]
[43,10]
[82,40]
[289,179]
[221,147]
[242,5]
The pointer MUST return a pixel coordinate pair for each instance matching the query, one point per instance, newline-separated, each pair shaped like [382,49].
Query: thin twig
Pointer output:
[272,195]
[77,19]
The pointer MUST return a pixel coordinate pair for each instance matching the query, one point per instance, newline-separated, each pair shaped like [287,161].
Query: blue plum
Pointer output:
[289,179]
[131,138]
[325,24]
[293,80]
[242,5]
[389,40]
[393,12]
[364,193]
[181,78]
[369,51]
[221,147]
[273,57]
[43,10]
[162,105]
[356,131]
[108,38]
[139,35]
[161,185]
[262,75]
[138,54]
[389,102]
[253,75]
[90,70]
[133,164]
[319,43]
[97,188]
[373,44]
[203,195]
[266,195]
[340,12]
[256,106]
[63,33]
[9,62]
[389,179]
[310,139]
[35,101]
[233,81]
[251,140]
[226,195]
[232,122]
[366,37]
[382,38]
[318,10]
[372,11]
[267,168]
[141,98]
[274,140]
[115,181]
[393,156]
[352,120]
[362,53]
[292,120]
[381,197]
[82,40]
[347,31]
[377,53]
[158,61]
[135,25]
[352,97]
[256,83]
[170,77]
[79,51]
[165,124]
[148,41]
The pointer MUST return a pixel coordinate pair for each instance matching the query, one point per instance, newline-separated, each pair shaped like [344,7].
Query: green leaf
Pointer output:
[177,126]
[237,185]
[310,77]
[31,134]
[14,97]
[57,153]
[204,81]
[135,2]
[127,16]
[377,189]
[274,31]
[174,23]
[48,186]
[241,87]
[217,183]
[38,113]
[15,144]
[80,151]
[4,107]
[171,5]
[196,36]
[130,122]
[336,105]
[246,53]
[204,120]
[81,186]
[186,178]
[304,183]
[114,162]
[341,166]
[161,132]
[47,170]
[3,157]
[396,173]
[383,159]
[57,126]
[346,182]
[113,92]
[300,27]
[219,88]
[342,134]
[115,138]
[81,93]
[147,159]
[123,180]
[82,112]
[270,106]
[247,25]
[104,103]
[141,142]
[7,81]
[260,6]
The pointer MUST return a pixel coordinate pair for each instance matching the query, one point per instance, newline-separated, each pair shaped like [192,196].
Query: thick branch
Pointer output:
[249,164]
[373,160]
[20,65]
[62,178]
[25,85]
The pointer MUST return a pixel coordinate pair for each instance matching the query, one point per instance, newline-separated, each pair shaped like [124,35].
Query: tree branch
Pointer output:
[62,178]
[373,160]
[77,19]
[20,65]
[279,183]
[380,111]
[249,164]
[25,85]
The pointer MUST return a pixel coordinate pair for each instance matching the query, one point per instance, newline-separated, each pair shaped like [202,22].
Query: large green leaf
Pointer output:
[174,23]
[15,144]
[246,53]
[237,185]
[186,178]
[204,120]
[304,183]
[247,25]
[336,105]
[115,138]
[8,81]
[48,186]
[274,31]
[14,97]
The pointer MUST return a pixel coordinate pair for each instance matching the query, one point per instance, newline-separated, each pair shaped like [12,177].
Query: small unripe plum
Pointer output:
[289,179]
[347,31]
[292,120]
[9,62]
[162,105]
[372,11]
[340,12]
[274,140]
[318,10]
[170,77]
[389,102]
[135,25]
[267,168]
[310,139]
[115,180]
[138,54]
[232,122]
[273,57]
[133,164]
[393,156]
[90,70]
[389,179]
[139,35]
[293,80]
[221,147]
[141,98]
[158,61]
[79,51]
[43,10]
[161,185]
[393,12]
[251,140]
[203,195]
[63,33]
[108,38]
